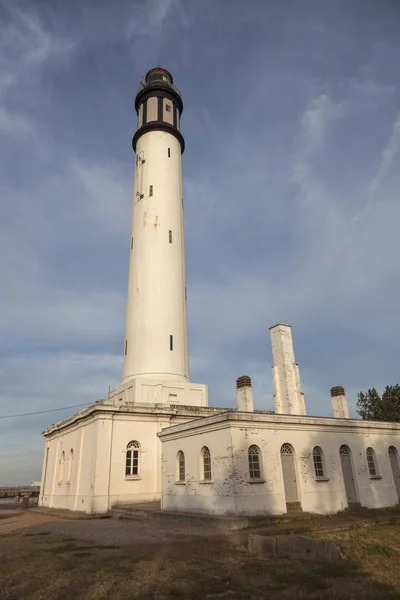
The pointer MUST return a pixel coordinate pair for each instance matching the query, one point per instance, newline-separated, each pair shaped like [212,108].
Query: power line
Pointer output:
[41,412]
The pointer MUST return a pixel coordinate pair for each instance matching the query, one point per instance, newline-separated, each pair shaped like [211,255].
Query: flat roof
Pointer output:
[268,420]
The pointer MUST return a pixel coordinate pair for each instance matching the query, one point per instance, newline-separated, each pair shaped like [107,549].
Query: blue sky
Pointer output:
[291,178]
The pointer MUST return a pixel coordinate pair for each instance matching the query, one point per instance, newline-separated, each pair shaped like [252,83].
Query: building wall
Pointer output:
[76,494]
[232,492]
[197,495]
[99,443]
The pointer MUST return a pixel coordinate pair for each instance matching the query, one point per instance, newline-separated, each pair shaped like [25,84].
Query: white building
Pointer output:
[154,437]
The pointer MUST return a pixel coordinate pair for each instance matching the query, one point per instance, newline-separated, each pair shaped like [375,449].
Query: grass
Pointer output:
[38,566]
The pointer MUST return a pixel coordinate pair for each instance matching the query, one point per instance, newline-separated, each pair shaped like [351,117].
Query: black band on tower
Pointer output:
[159,85]
[158,126]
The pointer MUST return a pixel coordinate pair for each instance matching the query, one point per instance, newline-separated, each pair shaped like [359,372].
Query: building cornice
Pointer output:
[236,419]
[103,410]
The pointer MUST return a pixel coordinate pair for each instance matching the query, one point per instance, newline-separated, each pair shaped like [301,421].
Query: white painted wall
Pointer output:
[140,390]
[99,440]
[156,304]
[340,407]
[244,398]
[231,491]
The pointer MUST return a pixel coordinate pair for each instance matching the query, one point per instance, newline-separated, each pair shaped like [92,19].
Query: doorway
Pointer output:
[289,478]
[348,475]
[394,463]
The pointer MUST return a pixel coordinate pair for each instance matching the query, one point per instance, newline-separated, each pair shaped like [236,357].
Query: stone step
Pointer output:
[293,508]
[128,513]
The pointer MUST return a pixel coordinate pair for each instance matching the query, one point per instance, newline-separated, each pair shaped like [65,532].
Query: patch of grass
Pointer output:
[383,549]
[299,576]
[65,548]
[175,592]
[81,554]
[332,570]
[342,513]
[39,533]
[191,575]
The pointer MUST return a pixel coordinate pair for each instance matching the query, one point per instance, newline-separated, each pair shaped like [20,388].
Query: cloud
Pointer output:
[388,155]
[16,126]
[26,45]
[55,380]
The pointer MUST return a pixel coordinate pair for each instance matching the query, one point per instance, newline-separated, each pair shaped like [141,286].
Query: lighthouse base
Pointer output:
[141,390]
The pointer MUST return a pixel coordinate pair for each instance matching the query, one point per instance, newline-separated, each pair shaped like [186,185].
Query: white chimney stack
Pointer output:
[244,394]
[288,396]
[339,403]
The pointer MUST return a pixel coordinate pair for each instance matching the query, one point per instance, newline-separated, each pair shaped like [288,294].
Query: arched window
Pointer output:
[318,462]
[71,460]
[286,449]
[62,462]
[392,451]
[181,466]
[132,459]
[207,473]
[344,450]
[254,462]
[373,471]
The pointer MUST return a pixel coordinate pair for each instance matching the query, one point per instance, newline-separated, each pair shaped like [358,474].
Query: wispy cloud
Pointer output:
[389,153]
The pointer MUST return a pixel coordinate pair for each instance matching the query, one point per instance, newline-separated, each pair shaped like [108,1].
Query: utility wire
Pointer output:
[41,412]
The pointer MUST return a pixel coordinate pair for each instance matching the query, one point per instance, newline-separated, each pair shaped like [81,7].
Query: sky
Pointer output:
[291,184]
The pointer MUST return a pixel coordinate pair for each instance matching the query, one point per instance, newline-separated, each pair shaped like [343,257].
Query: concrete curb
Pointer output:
[291,546]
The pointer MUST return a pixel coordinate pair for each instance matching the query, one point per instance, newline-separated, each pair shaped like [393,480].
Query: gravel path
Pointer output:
[13,519]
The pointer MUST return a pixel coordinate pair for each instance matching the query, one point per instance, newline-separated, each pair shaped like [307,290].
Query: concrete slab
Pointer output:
[290,546]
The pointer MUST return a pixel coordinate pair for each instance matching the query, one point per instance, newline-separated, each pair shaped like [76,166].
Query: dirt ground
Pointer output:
[43,558]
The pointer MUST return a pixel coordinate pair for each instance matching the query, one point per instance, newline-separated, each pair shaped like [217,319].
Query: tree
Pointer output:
[372,407]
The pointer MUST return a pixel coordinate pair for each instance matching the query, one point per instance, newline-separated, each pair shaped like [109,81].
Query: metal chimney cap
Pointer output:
[243,381]
[338,390]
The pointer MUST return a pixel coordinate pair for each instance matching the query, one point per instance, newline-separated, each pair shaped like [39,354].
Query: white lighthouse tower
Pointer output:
[156,353]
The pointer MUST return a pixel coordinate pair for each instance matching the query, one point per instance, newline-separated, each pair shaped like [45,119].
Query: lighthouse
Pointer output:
[156,330]
[156,338]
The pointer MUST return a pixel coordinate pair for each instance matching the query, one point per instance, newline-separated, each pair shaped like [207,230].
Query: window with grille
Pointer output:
[181,466]
[132,459]
[206,464]
[344,450]
[168,107]
[254,462]
[286,449]
[318,462]
[371,462]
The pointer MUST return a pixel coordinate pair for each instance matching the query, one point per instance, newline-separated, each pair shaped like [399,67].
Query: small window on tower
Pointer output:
[168,107]
[151,191]
[170,236]
[126,347]
[171,342]
[169,152]
[131,243]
